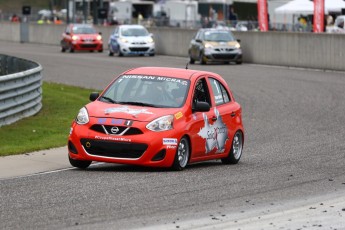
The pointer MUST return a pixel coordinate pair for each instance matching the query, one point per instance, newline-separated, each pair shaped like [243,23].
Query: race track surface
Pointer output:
[291,175]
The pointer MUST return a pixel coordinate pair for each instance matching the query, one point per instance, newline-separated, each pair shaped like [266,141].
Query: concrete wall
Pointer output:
[319,51]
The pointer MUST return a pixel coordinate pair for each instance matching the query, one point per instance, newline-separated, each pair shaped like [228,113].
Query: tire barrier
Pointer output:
[20,89]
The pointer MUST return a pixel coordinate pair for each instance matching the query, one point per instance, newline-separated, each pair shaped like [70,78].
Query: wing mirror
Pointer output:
[201,106]
[94,96]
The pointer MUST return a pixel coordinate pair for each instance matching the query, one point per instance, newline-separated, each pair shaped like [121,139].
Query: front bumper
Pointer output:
[223,55]
[147,148]
[137,49]
[79,45]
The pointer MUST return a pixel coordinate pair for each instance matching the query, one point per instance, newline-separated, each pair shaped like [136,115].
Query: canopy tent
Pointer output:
[307,7]
[334,5]
[296,7]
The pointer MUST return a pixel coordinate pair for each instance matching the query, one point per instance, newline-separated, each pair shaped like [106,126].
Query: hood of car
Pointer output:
[87,36]
[133,39]
[139,113]
[215,44]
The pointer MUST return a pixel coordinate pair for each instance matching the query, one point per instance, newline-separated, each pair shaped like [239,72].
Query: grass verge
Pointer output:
[50,127]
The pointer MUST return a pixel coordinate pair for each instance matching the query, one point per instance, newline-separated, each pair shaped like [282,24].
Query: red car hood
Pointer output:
[130,112]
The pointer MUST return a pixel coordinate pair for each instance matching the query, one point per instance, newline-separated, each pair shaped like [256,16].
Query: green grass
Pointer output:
[50,127]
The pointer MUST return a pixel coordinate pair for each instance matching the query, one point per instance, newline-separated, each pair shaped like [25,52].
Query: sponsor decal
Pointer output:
[71,131]
[171,146]
[128,123]
[110,138]
[169,141]
[102,120]
[178,115]
[194,116]
[215,134]
[117,121]
[126,109]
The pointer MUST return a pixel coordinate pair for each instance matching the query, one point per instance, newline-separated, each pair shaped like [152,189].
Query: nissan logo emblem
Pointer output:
[114,129]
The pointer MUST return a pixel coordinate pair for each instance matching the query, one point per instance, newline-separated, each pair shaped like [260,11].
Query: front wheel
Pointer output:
[236,149]
[202,59]
[78,163]
[182,155]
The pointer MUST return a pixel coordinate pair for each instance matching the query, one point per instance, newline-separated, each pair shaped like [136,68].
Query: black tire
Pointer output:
[71,50]
[202,59]
[238,62]
[100,51]
[182,155]
[151,55]
[120,54]
[78,163]
[191,60]
[236,149]
[63,49]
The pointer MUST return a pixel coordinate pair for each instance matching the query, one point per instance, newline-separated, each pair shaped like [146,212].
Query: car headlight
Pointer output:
[237,46]
[208,45]
[161,124]
[99,37]
[150,40]
[82,117]
[74,38]
[124,40]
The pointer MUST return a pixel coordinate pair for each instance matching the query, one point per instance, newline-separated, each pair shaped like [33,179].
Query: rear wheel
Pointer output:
[78,163]
[236,149]
[63,49]
[182,155]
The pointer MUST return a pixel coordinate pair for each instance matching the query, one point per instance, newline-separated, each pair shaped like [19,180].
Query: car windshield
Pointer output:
[145,90]
[83,30]
[218,36]
[128,32]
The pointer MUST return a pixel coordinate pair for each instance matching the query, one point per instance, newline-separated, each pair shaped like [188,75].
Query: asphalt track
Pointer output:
[291,176]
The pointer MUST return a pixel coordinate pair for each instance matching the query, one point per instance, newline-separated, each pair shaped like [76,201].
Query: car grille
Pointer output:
[138,43]
[116,130]
[88,40]
[224,56]
[88,45]
[136,49]
[224,49]
[113,149]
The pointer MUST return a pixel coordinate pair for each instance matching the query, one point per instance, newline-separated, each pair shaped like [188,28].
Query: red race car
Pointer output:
[81,37]
[161,117]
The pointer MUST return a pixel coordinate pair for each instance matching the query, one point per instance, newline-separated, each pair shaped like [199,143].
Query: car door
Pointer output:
[66,37]
[113,41]
[195,45]
[227,112]
[200,132]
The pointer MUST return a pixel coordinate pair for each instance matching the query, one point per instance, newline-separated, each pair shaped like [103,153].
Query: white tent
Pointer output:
[334,5]
[307,7]
[296,7]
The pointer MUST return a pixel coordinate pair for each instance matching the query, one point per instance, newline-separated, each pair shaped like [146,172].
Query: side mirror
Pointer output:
[201,106]
[238,40]
[94,96]
[198,40]
[67,33]
[100,33]
[151,35]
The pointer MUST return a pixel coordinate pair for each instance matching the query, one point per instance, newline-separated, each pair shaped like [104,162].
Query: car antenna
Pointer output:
[187,66]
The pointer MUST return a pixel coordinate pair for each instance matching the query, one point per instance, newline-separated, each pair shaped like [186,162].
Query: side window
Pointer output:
[201,92]
[221,96]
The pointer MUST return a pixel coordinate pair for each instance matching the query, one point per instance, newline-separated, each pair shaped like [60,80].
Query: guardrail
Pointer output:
[20,89]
